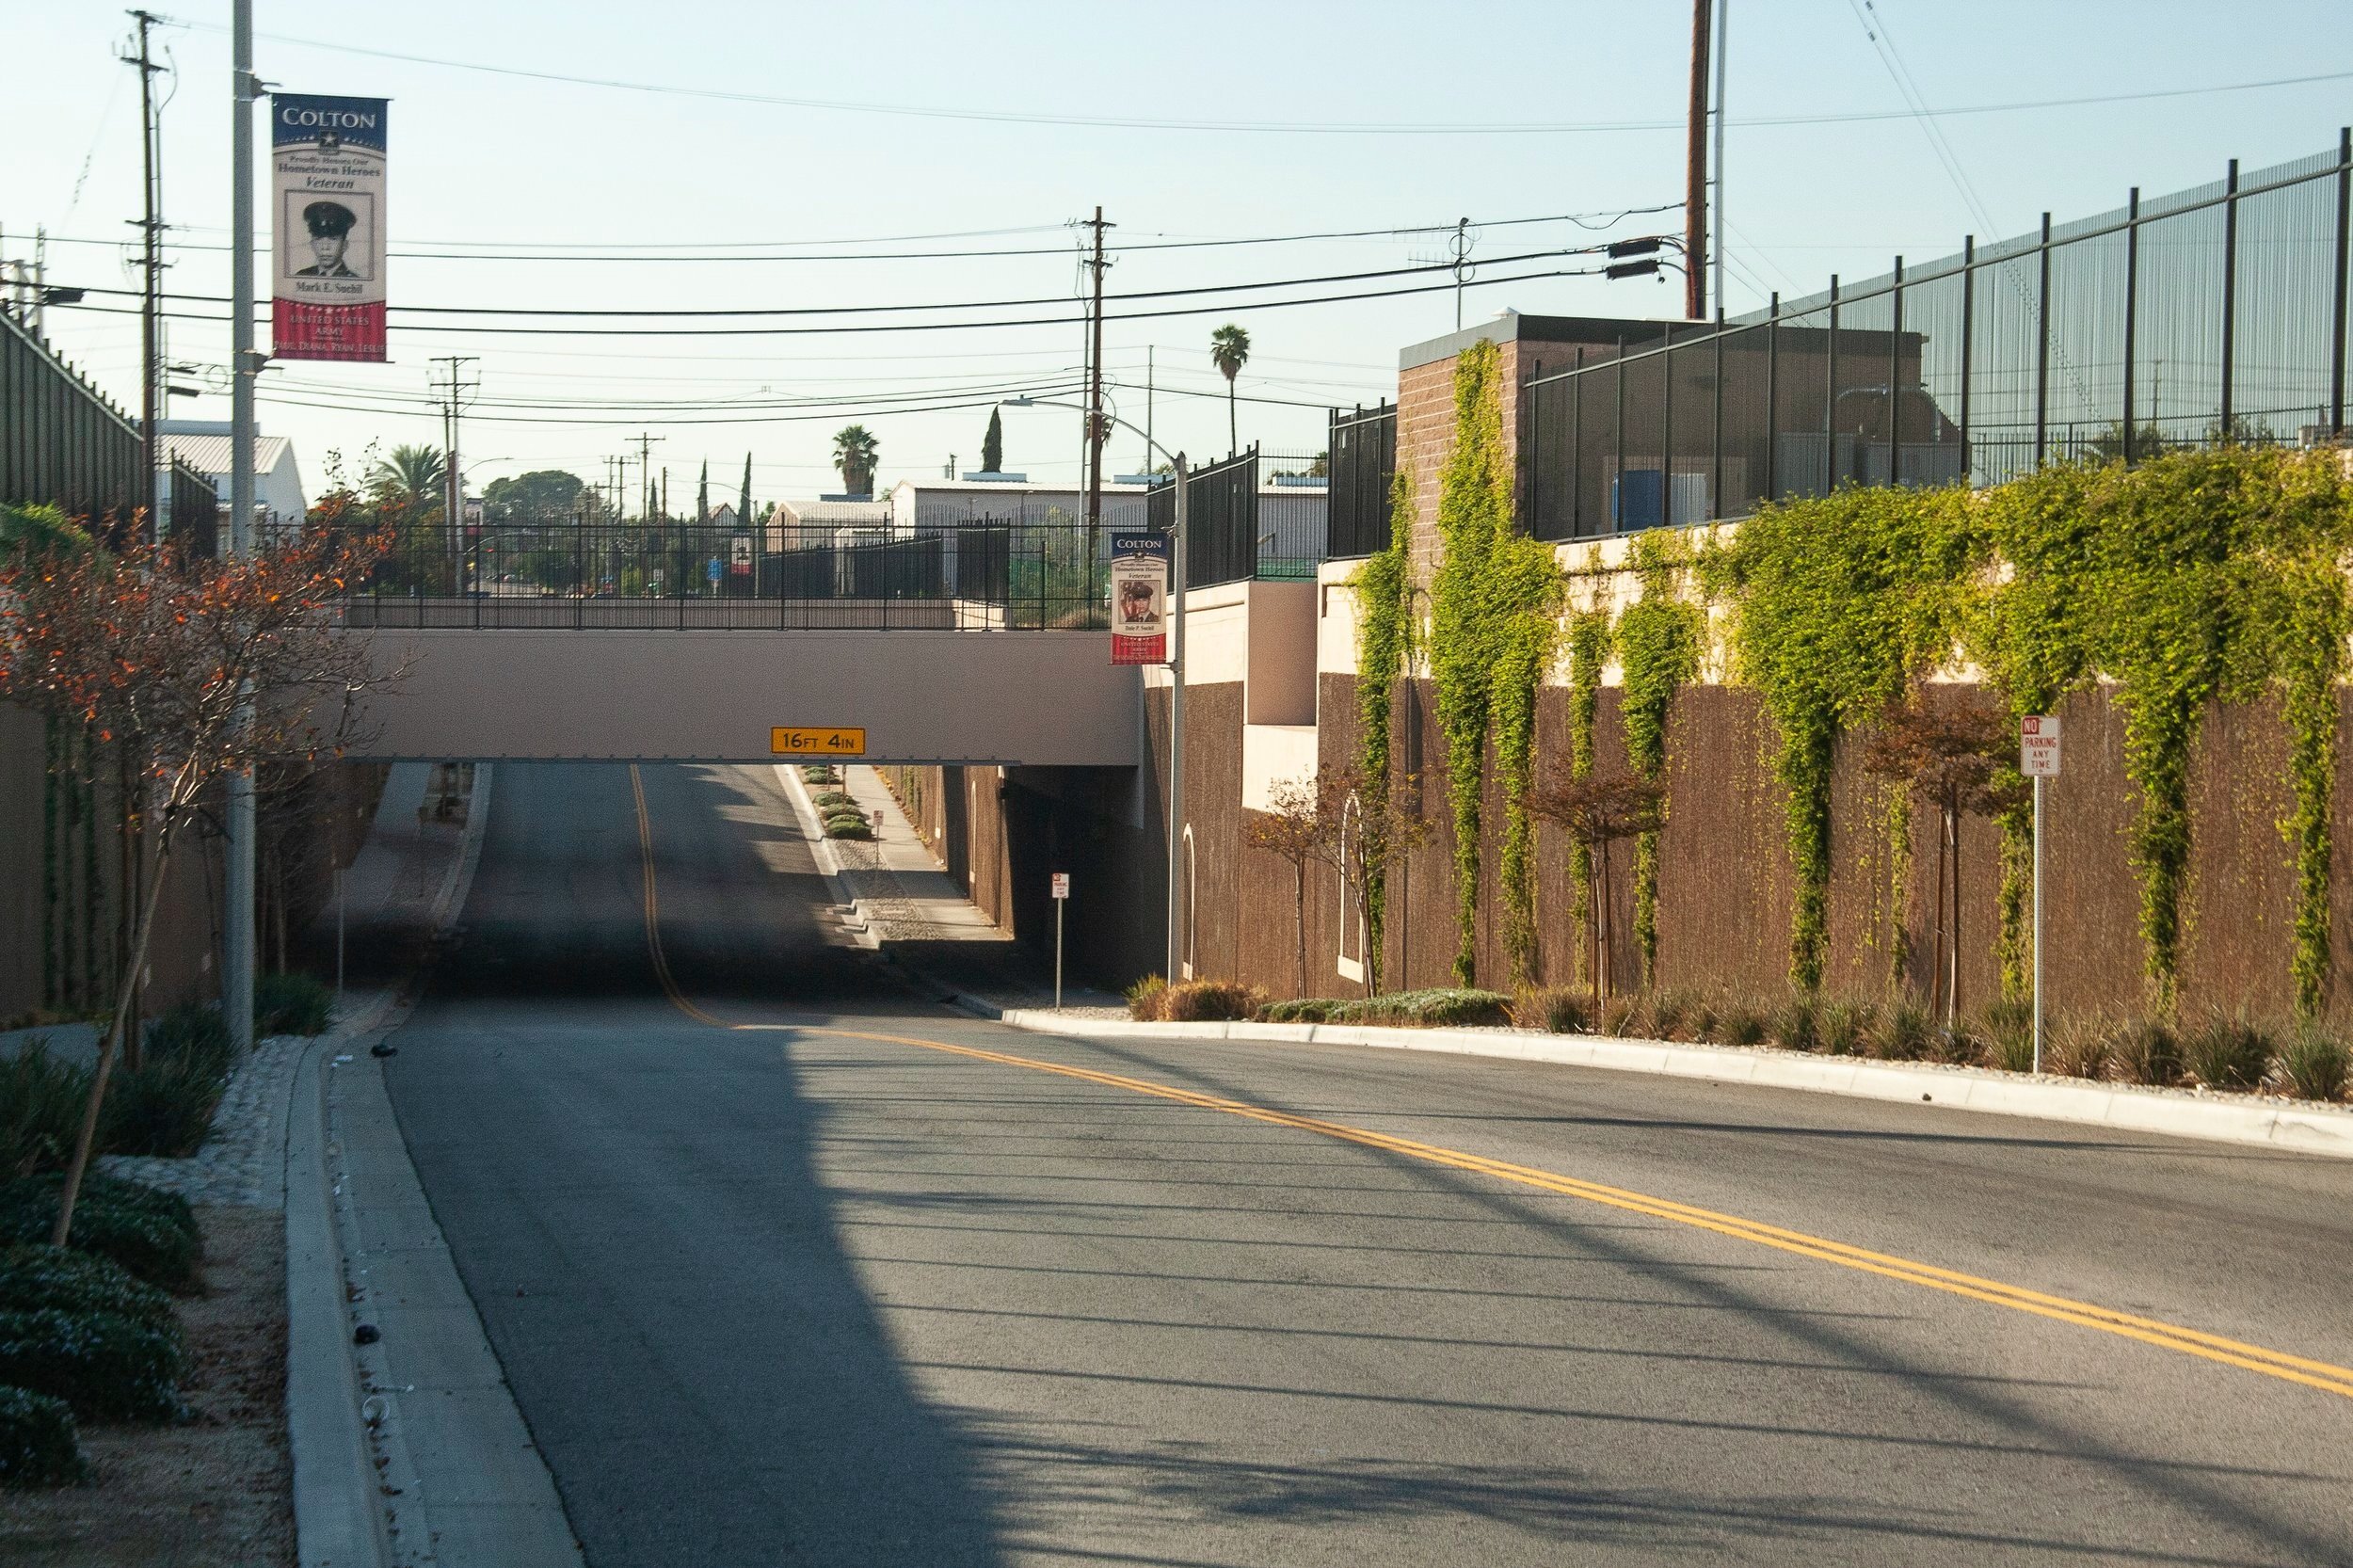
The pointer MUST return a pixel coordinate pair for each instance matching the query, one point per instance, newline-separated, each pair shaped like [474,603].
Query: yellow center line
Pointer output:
[2323,1375]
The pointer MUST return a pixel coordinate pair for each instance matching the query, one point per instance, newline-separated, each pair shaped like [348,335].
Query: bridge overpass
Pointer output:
[1037,698]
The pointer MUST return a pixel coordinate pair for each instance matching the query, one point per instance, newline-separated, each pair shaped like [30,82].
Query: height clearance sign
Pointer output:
[1139,599]
[327,187]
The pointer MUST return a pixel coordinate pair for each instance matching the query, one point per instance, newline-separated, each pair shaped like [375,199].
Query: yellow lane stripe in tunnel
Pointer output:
[2325,1376]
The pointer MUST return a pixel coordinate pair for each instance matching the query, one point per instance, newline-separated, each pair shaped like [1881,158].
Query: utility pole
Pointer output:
[1147,411]
[1723,51]
[1095,428]
[455,389]
[1695,172]
[1461,247]
[151,293]
[237,934]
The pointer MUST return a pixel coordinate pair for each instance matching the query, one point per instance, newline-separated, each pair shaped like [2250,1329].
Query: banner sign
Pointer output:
[327,222]
[1139,599]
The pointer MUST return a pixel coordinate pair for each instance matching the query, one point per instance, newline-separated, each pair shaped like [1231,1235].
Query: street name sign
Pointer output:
[816,741]
[2038,745]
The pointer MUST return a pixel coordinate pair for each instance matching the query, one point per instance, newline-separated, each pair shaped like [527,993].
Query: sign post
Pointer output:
[1061,902]
[2039,760]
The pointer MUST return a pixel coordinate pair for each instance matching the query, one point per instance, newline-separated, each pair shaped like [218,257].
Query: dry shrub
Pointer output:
[1845,1028]
[1906,1036]
[1144,998]
[1560,1009]
[1678,1013]
[2228,1052]
[1210,1002]
[1741,1023]
[2143,1051]
[2316,1064]
[2079,1047]
[1797,1024]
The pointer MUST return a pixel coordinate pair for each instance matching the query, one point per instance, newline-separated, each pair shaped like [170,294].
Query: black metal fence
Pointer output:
[986,574]
[2218,314]
[61,442]
[1363,465]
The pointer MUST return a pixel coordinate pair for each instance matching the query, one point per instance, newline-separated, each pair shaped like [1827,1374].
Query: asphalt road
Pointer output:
[800,1294]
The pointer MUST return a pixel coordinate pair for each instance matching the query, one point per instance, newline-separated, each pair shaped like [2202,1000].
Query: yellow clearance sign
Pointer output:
[819,741]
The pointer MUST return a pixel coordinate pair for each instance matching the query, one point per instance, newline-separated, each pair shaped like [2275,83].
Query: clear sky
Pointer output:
[483,161]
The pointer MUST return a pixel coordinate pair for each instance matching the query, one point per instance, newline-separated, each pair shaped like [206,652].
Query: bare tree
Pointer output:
[212,667]
[1294,826]
[1949,755]
[1371,829]
[1597,812]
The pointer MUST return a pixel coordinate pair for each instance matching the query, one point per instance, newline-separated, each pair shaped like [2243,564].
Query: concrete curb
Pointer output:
[855,919]
[2269,1123]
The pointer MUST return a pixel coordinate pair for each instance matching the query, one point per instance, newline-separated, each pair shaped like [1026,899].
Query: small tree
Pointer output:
[993,443]
[1294,826]
[1596,812]
[211,668]
[1371,828]
[1950,756]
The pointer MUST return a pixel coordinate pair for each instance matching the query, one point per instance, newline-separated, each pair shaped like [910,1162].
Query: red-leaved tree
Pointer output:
[209,667]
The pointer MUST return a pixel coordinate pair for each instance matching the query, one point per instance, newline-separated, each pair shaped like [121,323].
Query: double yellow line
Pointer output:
[2325,1376]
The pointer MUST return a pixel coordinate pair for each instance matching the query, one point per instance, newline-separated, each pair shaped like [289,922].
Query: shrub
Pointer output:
[39,1279]
[2316,1064]
[2228,1052]
[1560,1009]
[166,1108]
[849,828]
[104,1365]
[1439,1007]
[1144,998]
[291,1003]
[2079,1047]
[2145,1051]
[2007,1028]
[1198,1001]
[817,773]
[1963,1045]
[831,800]
[196,1031]
[1797,1024]
[1677,1013]
[1846,1027]
[1906,1033]
[1740,1023]
[41,1100]
[1302,1010]
[149,1232]
[37,1442]
[1620,1017]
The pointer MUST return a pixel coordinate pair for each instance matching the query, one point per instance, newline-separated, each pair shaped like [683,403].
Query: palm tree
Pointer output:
[411,473]
[855,449]
[1230,350]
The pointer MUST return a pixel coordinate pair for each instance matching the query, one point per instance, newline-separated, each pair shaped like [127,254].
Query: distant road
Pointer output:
[849,1286]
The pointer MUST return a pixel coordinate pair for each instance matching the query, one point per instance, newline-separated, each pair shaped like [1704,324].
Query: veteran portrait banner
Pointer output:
[327,188]
[1139,599]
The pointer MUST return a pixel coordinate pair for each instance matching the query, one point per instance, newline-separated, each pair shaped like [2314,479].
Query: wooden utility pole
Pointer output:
[1695,172]
[1095,400]
[152,265]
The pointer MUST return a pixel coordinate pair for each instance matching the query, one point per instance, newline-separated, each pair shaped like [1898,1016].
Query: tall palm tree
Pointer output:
[854,450]
[411,473]
[1230,350]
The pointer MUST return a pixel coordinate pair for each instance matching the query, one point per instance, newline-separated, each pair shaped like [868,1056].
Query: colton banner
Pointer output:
[1139,599]
[326,269]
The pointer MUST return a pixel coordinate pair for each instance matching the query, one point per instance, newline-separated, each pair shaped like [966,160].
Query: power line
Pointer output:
[555,250]
[454,330]
[1256,127]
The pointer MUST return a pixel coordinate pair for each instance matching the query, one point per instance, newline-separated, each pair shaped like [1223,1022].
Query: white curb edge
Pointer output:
[2270,1124]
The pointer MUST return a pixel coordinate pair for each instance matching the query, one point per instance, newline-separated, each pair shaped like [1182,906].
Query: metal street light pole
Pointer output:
[237,939]
[1175,685]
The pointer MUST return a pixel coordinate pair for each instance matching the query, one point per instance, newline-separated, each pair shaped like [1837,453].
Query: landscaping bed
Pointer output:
[214,1487]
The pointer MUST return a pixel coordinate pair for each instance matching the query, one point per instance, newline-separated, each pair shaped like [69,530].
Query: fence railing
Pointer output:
[986,574]
[61,442]
[2218,314]
[1363,463]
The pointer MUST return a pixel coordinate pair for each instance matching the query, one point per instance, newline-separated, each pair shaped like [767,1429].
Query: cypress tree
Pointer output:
[743,512]
[993,445]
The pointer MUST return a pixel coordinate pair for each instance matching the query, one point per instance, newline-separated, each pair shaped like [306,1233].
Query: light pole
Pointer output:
[1175,684]
[237,936]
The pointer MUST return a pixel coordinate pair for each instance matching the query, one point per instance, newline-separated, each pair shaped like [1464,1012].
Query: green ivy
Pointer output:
[1843,601]
[1659,637]
[1492,600]
[1589,650]
[1385,643]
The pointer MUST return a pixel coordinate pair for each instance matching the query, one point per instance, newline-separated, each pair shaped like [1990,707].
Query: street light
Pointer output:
[1175,679]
